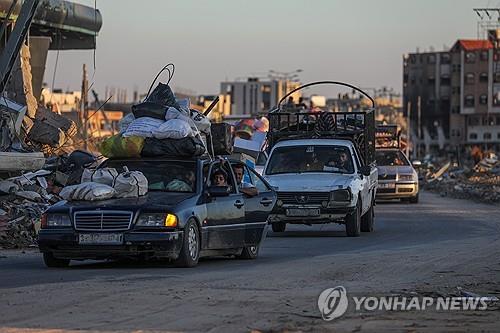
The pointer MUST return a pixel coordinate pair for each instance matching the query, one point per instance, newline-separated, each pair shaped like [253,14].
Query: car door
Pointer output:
[225,216]
[257,208]
[367,191]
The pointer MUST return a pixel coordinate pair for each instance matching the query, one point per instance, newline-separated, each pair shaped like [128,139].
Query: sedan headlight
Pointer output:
[342,195]
[157,220]
[57,220]
[406,178]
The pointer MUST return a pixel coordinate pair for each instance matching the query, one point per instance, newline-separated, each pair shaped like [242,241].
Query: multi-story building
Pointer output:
[253,96]
[454,95]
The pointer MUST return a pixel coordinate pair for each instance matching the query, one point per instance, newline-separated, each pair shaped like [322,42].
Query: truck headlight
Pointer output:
[57,220]
[157,220]
[406,178]
[342,195]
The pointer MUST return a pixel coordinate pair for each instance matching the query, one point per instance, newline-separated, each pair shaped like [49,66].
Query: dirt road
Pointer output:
[427,249]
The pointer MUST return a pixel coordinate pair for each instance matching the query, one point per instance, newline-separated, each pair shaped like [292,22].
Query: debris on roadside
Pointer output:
[479,183]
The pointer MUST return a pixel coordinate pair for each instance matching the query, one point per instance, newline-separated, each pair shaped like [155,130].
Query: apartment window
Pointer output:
[455,109]
[484,55]
[413,59]
[496,77]
[455,90]
[431,80]
[474,121]
[445,58]
[431,59]
[487,136]
[469,78]
[483,77]
[473,136]
[489,121]
[458,133]
[469,100]
[498,136]
[453,132]
[470,57]
[483,99]
[498,120]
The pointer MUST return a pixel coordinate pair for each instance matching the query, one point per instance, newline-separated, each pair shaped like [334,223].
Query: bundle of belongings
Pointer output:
[159,126]
[107,183]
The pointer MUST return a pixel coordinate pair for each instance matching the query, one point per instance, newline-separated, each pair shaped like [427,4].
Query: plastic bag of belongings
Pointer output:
[107,183]
[160,126]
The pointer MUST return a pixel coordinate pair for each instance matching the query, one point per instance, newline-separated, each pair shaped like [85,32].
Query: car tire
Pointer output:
[250,252]
[367,220]
[278,227]
[190,251]
[53,262]
[414,199]
[353,222]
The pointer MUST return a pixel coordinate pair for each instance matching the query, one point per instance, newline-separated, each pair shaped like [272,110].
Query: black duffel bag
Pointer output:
[149,109]
[185,147]
[222,139]
[164,96]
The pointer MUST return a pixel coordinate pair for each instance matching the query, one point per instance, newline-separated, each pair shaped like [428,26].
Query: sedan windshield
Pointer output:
[166,176]
[299,159]
[391,158]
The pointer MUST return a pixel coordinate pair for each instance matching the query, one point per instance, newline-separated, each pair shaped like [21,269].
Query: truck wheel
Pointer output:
[414,199]
[353,222]
[190,251]
[367,220]
[279,227]
[51,261]
[250,252]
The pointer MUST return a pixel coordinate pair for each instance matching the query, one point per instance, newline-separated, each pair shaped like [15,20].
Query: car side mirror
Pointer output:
[365,170]
[219,191]
[416,163]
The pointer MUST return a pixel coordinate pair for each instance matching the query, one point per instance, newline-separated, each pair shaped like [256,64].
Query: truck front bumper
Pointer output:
[326,215]
[64,244]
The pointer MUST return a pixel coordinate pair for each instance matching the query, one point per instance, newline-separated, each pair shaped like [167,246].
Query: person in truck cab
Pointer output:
[244,187]
[219,178]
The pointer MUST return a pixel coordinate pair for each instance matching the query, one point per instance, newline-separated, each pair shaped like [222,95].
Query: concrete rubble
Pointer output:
[479,183]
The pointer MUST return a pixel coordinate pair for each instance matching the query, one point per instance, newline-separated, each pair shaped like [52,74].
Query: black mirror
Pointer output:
[219,191]
[365,170]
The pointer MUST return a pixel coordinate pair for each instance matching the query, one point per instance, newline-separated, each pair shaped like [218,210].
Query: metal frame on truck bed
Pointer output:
[288,123]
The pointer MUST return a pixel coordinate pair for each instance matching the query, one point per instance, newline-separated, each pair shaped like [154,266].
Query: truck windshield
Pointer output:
[391,158]
[166,176]
[299,159]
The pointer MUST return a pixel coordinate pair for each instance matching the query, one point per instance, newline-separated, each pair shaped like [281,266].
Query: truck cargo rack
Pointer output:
[387,136]
[288,123]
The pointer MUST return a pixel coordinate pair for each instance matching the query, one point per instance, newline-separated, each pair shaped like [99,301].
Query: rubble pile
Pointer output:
[481,183]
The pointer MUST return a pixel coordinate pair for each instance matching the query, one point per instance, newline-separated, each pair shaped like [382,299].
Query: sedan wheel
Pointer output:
[190,251]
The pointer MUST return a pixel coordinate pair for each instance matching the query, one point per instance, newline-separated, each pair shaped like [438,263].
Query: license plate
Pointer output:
[297,212]
[100,239]
[387,185]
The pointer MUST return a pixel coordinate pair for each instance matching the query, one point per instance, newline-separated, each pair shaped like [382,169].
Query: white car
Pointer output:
[321,181]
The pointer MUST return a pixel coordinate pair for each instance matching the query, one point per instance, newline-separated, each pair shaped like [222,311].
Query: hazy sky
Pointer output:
[361,42]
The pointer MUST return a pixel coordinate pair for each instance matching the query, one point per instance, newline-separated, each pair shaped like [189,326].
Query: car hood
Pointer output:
[150,201]
[309,181]
[394,170]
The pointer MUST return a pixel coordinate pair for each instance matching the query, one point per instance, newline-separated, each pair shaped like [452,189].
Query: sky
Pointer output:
[359,42]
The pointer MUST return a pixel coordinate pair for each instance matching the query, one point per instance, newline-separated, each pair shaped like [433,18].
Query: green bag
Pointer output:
[118,146]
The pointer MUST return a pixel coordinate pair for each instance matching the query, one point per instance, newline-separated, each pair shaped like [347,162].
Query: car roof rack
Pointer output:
[291,122]
[387,136]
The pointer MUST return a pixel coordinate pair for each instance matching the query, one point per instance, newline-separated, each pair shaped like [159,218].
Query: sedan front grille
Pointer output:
[307,198]
[102,220]
[386,177]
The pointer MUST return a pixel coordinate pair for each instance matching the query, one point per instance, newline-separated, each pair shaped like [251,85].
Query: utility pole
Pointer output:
[83,107]
[419,118]
[408,125]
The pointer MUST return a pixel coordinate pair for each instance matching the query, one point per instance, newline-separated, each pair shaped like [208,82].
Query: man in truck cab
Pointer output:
[244,187]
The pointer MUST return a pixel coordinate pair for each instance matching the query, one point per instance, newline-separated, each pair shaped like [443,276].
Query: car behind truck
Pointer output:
[322,165]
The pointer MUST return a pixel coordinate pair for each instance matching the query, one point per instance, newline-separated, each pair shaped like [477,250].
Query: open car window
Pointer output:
[165,176]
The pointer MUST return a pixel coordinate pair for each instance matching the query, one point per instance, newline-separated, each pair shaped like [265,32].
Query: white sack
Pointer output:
[102,176]
[87,191]
[125,122]
[173,129]
[143,127]
[131,184]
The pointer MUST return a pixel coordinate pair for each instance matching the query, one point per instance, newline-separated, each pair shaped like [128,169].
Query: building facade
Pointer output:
[453,97]
[254,97]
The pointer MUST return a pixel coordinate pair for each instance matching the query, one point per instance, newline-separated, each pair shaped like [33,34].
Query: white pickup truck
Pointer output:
[322,167]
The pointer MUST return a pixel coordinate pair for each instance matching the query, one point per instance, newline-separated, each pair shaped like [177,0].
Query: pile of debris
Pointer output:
[24,198]
[480,183]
